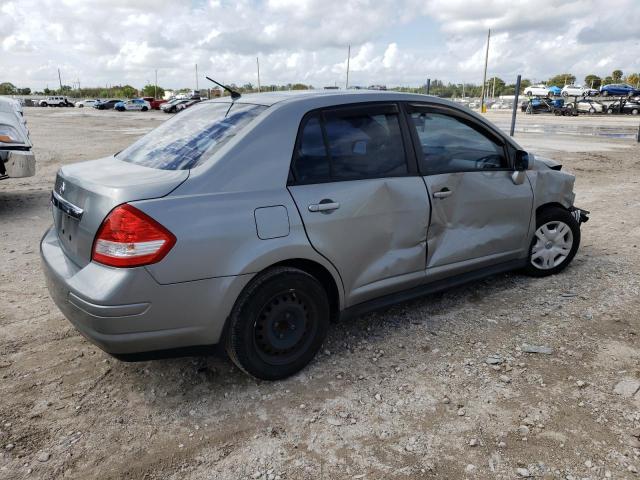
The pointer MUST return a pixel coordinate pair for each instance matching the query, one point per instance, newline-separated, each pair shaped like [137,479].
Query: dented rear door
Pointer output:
[373,230]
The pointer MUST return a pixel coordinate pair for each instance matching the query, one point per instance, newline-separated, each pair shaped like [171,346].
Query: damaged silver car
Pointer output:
[16,158]
[253,221]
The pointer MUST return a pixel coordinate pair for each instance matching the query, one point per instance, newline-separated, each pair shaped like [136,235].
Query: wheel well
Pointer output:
[548,205]
[322,275]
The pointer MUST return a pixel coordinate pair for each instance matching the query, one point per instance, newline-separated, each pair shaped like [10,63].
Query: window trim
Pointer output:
[474,123]
[353,109]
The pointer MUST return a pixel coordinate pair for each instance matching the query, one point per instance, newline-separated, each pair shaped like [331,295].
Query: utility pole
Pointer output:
[155,86]
[60,80]
[514,110]
[348,60]
[258,65]
[484,78]
[196,77]
[493,92]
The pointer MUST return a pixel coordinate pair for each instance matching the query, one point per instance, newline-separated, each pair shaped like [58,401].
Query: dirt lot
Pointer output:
[436,388]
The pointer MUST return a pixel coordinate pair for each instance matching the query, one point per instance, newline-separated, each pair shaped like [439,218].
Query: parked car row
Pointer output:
[573,90]
[585,105]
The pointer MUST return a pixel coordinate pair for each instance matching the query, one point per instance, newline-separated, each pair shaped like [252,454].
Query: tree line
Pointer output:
[495,87]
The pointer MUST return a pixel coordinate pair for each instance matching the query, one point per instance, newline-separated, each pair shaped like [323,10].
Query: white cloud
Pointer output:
[123,41]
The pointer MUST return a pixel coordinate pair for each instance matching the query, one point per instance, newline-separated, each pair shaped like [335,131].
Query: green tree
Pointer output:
[299,86]
[592,81]
[128,91]
[499,84]
[561,80]
[616,75]
[7,88]
[24,91]
[607,80]
[150,91]
[633,79]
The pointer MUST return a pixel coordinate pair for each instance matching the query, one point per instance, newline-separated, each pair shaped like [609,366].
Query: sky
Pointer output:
[393,42]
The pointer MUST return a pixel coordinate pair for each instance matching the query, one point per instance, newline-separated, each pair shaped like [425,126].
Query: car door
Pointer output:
[363,204]
[480,209]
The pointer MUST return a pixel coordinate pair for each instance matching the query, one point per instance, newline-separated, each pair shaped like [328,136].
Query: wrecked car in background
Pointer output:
[16,158]
[254,221]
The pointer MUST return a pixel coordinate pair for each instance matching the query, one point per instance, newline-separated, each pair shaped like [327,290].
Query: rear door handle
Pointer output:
[444,193]
[324,206]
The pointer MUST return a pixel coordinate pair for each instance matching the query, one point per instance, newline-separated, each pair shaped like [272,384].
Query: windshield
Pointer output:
[192,137]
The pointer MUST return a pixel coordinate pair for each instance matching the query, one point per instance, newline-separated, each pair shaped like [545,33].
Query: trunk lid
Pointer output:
[86,192]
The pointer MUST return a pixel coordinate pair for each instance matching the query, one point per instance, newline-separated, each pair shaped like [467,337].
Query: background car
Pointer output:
[155,103]
[136,104]
[621,89]
[628,106]
[586,105]
[536,90]
[55,101]
[191,102]
[575,91]
[86,103]
[171,106]
[16,157]
[555,90]
[541,105]
[106,104]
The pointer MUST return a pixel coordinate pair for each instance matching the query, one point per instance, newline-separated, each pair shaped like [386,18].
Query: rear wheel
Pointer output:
[554,243]
[635,111]
[144,109]
[278,323]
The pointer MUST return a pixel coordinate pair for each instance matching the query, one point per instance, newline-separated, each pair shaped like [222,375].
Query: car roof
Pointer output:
[338,97]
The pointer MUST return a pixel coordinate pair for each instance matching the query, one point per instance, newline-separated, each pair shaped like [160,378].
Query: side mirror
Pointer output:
[521,161]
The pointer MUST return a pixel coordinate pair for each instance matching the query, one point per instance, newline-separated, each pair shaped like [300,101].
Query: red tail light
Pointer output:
[131,238]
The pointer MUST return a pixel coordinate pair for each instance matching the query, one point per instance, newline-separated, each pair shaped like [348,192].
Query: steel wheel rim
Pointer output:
[552,245]
[284,328]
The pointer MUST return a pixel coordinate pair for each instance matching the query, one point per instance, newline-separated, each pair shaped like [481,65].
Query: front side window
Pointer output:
[449,144]
[350,146]
[191,138]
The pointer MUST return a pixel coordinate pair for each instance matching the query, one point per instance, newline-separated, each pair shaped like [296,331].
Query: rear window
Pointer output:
[190,138]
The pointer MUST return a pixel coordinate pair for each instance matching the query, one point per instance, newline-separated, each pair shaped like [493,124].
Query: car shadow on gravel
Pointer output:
[18,204]
[210,370]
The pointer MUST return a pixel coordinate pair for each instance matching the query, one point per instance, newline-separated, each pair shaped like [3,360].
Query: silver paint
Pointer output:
[228,217]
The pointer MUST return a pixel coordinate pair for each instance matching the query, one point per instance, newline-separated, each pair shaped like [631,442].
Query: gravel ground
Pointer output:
[444,387]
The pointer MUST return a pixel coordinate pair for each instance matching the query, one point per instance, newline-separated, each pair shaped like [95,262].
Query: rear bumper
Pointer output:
[124,310]
[17,163]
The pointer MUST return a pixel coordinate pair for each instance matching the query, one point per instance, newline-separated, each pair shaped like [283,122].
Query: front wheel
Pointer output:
[278,323]
[555,242]
[144,109]
[635,111]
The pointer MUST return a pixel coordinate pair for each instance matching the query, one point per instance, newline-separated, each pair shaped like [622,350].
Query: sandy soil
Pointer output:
[436,388]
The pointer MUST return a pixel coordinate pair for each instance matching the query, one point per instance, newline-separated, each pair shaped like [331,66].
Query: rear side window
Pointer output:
[191,138]
[350,145]
[449,144]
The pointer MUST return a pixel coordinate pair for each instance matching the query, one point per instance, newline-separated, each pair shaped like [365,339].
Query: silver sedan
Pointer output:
[254,221]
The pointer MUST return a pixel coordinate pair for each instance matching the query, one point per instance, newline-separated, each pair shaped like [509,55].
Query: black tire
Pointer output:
[604,93]
[635,111]
[278,323]
[552,215]
[144,109]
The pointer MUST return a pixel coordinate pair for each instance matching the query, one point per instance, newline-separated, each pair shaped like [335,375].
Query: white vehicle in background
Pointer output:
[86,103]
[16,158]
[55,101]
[537,91]
[587,106]
[578,91]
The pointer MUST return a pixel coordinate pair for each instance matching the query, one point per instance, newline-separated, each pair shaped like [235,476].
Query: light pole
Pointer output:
[484,78]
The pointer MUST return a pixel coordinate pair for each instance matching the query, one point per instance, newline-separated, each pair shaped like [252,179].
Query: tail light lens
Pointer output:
[131,238]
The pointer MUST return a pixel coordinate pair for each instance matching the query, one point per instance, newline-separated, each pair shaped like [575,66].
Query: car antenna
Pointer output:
[234,95]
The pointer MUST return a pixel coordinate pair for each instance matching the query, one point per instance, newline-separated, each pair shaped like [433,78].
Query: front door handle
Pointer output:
[444,193]
[324,206]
